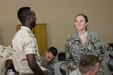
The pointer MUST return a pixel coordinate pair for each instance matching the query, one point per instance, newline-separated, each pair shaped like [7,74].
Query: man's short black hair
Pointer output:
[53,50]
[22,13]
[87,63]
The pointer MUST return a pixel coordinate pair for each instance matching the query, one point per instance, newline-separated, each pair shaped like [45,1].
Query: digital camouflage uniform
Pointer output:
[49,67]
[74,49]
[76,72]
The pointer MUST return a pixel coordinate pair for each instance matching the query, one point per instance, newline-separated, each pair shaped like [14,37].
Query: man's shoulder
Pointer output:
[24,33]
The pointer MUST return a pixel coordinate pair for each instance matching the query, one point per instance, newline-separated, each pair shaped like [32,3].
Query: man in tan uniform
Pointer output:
[25,45]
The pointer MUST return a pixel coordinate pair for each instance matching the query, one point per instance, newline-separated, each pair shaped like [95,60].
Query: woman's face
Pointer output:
[80,23]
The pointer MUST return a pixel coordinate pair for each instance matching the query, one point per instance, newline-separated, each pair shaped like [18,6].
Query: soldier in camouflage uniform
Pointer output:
[47,61]
[88,65]
[82,42]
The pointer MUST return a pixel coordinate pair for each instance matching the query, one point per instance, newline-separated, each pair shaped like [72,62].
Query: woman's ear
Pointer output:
[87,24]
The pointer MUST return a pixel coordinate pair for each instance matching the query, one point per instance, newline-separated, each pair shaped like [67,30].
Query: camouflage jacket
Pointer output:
[74,49]
[49,67]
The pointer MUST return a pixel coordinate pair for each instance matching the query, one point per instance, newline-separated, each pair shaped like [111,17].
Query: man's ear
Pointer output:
[90,73]
[28,17]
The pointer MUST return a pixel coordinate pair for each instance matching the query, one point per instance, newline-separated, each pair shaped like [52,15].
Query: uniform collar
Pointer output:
[26,28]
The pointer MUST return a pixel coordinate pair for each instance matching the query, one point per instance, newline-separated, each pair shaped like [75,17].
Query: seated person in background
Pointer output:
[88,65]
[9,66]
[47,60]
[5,52]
